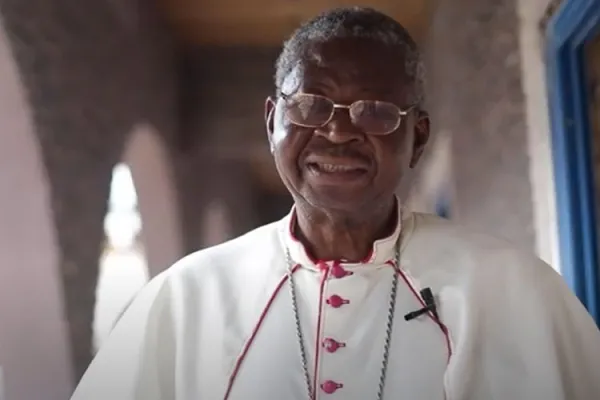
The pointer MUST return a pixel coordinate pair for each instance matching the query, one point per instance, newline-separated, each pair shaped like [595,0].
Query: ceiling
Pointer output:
[269,22]
[266,23]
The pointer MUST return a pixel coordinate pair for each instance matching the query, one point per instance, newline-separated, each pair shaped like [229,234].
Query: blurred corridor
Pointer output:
[132,134]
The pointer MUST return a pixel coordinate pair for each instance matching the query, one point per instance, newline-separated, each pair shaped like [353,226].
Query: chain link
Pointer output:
[299,334]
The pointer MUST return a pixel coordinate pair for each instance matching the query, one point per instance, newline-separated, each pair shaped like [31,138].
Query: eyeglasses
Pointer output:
[371,116]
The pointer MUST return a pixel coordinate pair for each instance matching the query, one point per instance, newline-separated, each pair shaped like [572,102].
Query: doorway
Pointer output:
[573,60]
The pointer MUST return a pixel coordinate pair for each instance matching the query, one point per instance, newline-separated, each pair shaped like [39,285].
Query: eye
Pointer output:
[308,109]
[376,117]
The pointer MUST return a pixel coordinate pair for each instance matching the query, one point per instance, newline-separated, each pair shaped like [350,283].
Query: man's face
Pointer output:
[340,166]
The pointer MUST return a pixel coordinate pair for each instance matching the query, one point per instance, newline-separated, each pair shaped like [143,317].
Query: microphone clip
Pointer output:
[430,306]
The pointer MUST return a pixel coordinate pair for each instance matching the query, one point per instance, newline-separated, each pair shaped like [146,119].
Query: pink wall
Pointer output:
[150,168]
[34,354]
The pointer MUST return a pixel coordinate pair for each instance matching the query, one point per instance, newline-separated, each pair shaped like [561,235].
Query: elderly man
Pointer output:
[350,296]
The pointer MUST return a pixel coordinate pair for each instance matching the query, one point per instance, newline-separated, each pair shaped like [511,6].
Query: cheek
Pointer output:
[287,167]
[282,129]
[278,137]
[389,148]
[393,158]
[400,147]
[289,145]
[290,141]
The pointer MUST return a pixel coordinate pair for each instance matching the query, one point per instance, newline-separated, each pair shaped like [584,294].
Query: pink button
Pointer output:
[331,345]
[338,272]
[330,387]
[336,301]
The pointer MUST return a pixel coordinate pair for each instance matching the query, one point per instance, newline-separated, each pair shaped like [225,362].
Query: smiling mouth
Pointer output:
[328,168]
[337,172]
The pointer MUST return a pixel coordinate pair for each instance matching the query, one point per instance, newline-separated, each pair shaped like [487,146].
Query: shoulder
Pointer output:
[219,270]
[257,244]
[489,275]
[249,256]
[447,234]
[462,251]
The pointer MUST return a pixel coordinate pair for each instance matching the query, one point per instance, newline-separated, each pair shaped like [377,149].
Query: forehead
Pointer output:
[353,63]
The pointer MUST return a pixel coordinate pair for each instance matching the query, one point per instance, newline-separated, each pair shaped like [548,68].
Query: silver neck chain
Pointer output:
[388,332]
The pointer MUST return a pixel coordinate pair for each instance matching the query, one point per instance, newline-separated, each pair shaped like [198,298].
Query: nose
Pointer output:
[340,128]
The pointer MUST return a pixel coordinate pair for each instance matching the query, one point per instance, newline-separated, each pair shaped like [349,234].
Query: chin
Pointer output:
[335,200]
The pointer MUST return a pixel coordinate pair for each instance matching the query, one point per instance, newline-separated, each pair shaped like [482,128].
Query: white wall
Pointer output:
[435,177]
[161,233]
[540,147]
[34,352]
[216,226]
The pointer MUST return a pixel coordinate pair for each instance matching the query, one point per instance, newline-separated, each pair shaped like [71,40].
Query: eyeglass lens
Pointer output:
[371,116]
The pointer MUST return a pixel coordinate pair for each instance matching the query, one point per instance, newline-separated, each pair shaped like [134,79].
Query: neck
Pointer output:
[333,236]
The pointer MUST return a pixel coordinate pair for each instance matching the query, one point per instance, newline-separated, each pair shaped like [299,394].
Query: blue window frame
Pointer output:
[575,23]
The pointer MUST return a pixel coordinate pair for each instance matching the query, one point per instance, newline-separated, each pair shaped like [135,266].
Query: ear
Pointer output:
[422,129]
[270,104]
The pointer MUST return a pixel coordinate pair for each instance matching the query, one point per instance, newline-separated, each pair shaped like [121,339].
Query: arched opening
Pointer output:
[151,171]
[34,352]
[142,228]
[123,268]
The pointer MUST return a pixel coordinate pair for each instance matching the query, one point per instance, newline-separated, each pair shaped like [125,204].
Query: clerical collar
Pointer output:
[381,252]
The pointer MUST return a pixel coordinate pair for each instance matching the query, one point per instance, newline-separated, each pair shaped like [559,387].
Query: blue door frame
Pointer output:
[575,22]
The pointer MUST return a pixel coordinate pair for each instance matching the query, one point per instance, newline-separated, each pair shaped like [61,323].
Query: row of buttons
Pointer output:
[329,344]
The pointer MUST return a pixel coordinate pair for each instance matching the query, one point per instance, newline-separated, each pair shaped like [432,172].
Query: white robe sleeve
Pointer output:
[527,338]
[137,360]
[572,350]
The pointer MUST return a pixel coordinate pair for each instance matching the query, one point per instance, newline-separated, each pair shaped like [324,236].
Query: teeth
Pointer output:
[336,168]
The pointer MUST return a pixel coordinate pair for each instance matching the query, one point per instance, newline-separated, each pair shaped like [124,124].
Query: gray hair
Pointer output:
[358,22]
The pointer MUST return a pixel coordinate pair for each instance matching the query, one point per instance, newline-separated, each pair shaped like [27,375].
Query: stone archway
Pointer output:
[141,190]
[34,347]
[146,156]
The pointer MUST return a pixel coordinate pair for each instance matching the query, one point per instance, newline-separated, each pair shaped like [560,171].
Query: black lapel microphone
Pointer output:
[430,306]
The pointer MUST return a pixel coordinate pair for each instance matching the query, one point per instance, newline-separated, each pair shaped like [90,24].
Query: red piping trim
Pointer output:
[261,319]
[318,335]
[439,323]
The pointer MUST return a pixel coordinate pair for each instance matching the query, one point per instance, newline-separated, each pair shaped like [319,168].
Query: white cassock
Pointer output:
[220,324]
